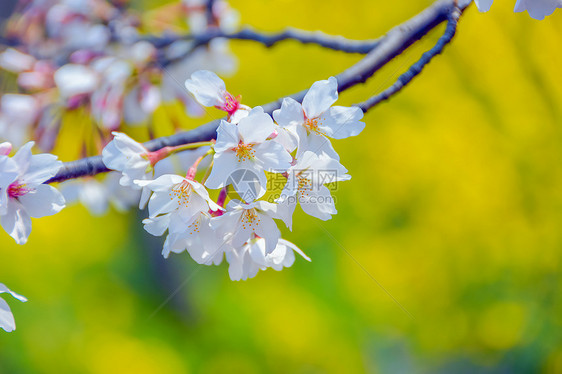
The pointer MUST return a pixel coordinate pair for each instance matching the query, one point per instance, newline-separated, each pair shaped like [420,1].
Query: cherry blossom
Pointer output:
[209,90]
[198,239]
[315,120]
[246,147]
[306,184]
[246,261]
[242,222]
[175,203]
[22,192]
[133,160]
[7,321]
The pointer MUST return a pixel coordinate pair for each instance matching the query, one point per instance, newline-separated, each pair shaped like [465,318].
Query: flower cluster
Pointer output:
[251,149]
[90,58]
[23,193]
[537,9]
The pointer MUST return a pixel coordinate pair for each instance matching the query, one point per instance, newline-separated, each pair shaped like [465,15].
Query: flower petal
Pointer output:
[256,127]
[7,321]
[41,168]
[45,200]
[320,97]
[16,222]
[342,122]
[483,5]
[290,114]
[207,87]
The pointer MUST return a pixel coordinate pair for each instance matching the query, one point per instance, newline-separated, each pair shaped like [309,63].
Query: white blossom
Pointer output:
[22,192]
[132,159]
[198,239]
[245,146]
[306,184]
[315,120]
[246,261]
[242,222]
[175,204]
[7,321]
[209,90]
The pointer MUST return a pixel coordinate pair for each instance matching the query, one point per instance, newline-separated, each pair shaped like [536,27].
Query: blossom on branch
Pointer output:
[306,184]
[22,192]
[315,120]
[247,146]
[209,90]
[133,160]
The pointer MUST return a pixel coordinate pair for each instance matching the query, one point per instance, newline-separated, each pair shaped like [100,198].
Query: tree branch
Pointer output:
[336,43]
[416,68]
[388,47]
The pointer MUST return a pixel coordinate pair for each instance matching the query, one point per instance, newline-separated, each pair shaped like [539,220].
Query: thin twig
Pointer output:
[337,43]
[391,45]
[416,68]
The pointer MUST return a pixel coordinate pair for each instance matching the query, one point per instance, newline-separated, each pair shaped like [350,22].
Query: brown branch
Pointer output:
[387,48]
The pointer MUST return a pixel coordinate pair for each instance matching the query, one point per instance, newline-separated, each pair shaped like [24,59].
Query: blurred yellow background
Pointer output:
[455,207]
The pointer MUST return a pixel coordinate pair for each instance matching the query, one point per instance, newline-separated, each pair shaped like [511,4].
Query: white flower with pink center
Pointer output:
[7,321]
[209,90]
[22,192]
[315,120]
[247,146]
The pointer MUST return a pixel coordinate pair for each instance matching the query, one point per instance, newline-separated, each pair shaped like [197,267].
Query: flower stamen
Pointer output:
[18,189]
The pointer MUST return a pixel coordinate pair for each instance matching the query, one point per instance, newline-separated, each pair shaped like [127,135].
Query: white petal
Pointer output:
[157,225]
[7,321]
[41,168]
[224,165]
[4,289]
[538,9]
[484,5]
[318,203]
[16,222]
[73,79]
[23,157]
[207,87]
[162,183]
[227,136]
[256,127]
[45,200]
[320,97]
[341,122]
[294,248]
[290,114]
[273,157]
[318,144]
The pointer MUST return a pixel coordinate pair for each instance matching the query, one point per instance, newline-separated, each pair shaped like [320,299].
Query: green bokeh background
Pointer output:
[455,208]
